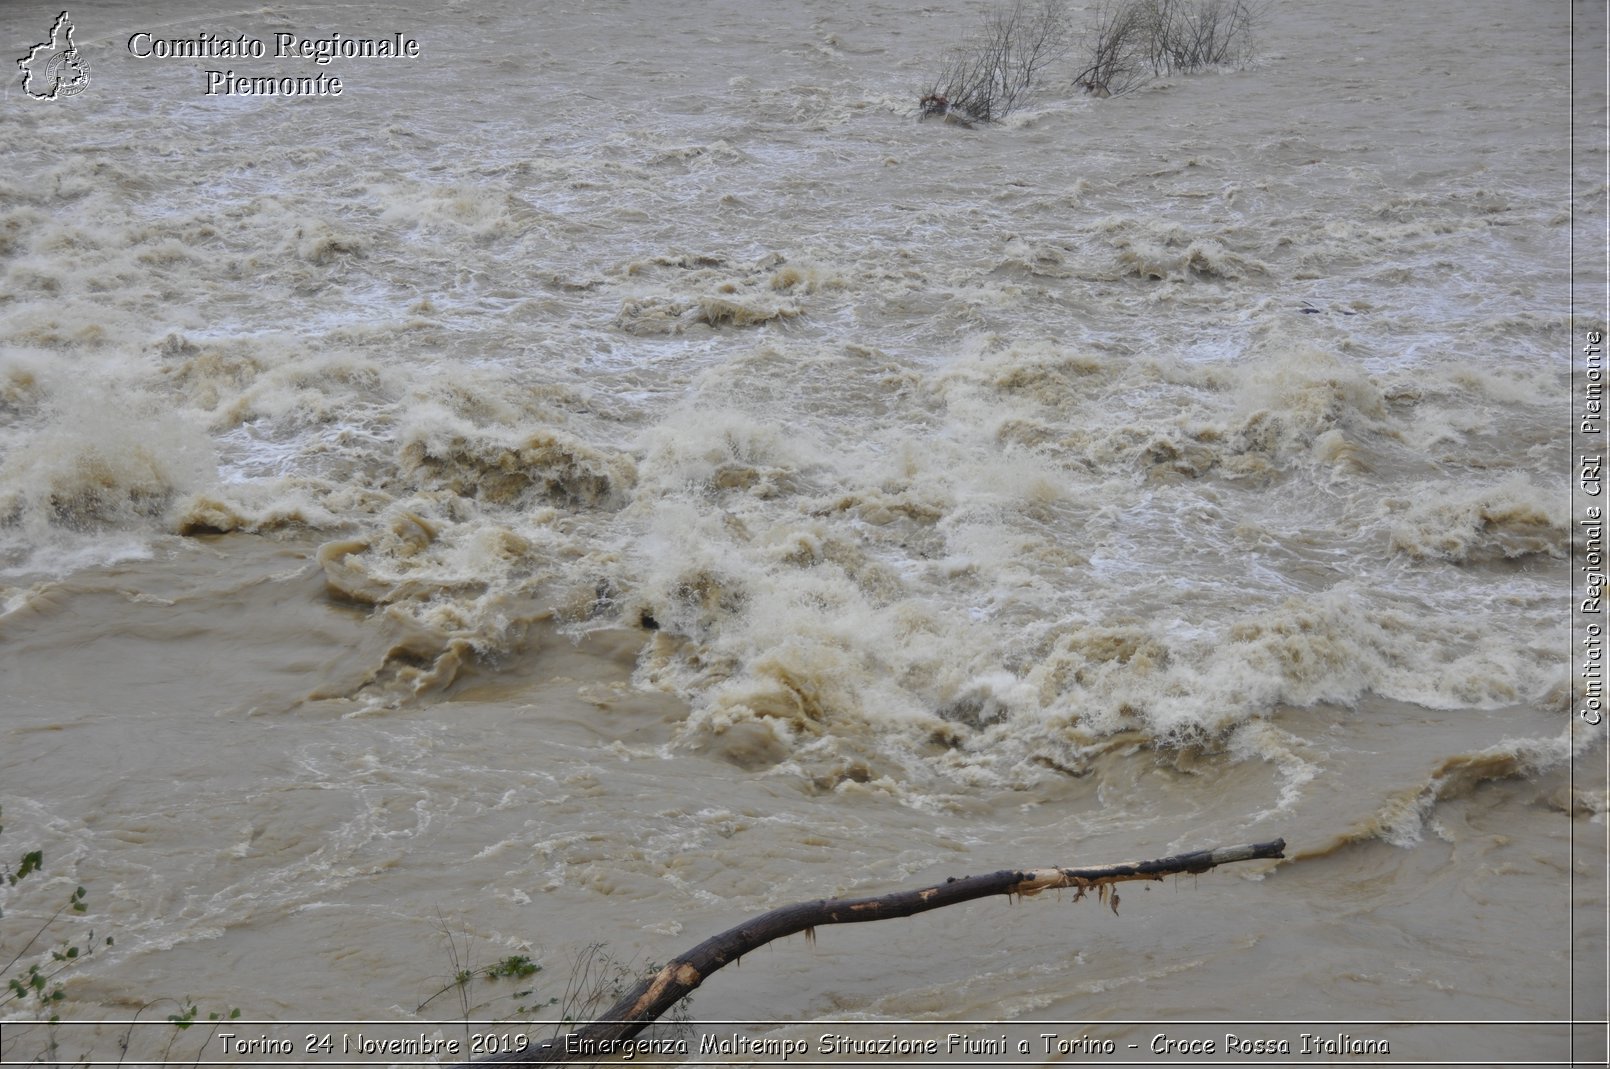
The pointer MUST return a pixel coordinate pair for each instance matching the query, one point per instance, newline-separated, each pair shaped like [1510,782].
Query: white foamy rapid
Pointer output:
[1181,464]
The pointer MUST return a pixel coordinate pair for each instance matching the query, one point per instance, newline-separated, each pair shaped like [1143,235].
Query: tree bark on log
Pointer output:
[653,996]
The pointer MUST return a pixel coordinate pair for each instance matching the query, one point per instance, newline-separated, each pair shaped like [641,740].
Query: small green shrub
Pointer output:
[596,980]
[33,957]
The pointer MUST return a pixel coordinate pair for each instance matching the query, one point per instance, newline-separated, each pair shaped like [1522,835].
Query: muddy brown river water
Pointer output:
[617,473]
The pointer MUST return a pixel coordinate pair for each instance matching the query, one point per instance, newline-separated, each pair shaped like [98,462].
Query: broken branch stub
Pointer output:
[653,996]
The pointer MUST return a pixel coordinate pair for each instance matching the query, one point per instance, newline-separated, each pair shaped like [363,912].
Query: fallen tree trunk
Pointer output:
[653,996]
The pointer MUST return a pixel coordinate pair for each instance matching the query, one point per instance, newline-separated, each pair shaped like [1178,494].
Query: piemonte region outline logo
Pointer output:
[54,69]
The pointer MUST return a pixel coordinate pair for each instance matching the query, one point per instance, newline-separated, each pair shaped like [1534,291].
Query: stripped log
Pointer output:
[656,994]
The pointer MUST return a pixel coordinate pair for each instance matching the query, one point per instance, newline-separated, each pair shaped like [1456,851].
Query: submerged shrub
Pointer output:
[1124,44]
[992,73]
[1129,42]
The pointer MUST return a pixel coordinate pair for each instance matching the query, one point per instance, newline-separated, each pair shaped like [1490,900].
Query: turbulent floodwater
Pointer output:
[618,473]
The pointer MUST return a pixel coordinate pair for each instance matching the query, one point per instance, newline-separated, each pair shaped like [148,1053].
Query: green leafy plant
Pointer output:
[467,977]
[181,1020]
[31,959]
[597,978]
